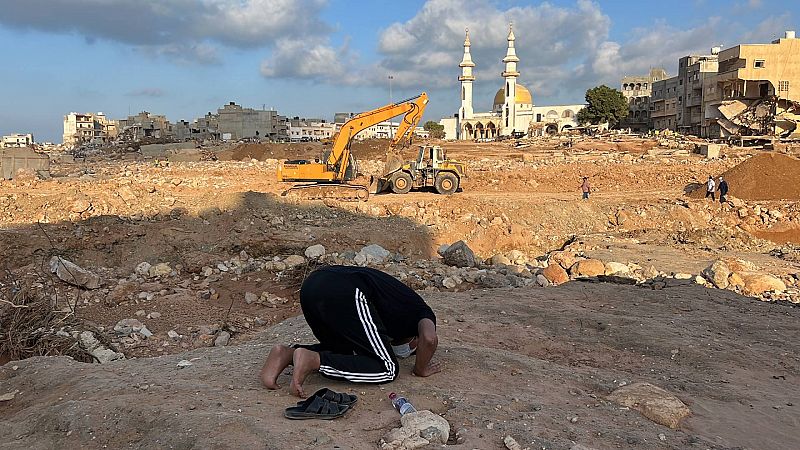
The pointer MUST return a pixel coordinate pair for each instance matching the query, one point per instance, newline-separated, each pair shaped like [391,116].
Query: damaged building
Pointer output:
[637,91]
[756,91]
[746,90]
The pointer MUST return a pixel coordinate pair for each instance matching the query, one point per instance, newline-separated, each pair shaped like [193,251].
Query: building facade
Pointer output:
[637,91]
[88,128]
[235,122]
[302,130]
[146,125]
[17,140]
[513,112]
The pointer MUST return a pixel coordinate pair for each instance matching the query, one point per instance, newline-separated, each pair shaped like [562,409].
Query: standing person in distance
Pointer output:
[723,190]
[711,189]
[586,188]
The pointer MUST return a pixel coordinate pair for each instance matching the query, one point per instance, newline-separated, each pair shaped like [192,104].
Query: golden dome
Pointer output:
[523,96]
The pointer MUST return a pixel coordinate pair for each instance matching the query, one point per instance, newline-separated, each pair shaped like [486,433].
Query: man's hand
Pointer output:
[427,341]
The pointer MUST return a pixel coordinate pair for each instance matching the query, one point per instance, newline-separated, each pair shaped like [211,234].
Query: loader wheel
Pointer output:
[401,183]
[446,183]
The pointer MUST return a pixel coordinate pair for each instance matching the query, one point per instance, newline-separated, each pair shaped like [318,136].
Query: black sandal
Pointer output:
[335,397]
[316,408]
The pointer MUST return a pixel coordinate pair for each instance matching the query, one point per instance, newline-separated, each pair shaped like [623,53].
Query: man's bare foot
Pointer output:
[279,358]
[305,362]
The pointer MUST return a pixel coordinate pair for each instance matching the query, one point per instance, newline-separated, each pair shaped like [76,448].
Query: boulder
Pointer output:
[126,327]
[159,270]
[756,283]
[100,352]
[517,257]
[588,268]
[71,273]
[717,273]
[294,260]
[494,280]
[419,429]
[442,248]
[373,254]
[653,402]
[143,269]
[460,255]
[222,339]
[451,282]
[542,280]
[613,268]
[500,260]
[555,274]
[564,259]
[315,251]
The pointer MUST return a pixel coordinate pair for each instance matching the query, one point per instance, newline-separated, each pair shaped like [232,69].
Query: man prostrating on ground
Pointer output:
[363,319]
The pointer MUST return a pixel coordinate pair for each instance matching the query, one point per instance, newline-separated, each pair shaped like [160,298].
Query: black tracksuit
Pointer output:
[356,312]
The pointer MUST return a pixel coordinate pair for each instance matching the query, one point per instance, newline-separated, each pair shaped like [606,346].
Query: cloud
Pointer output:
[188,30]
[147,92]
[306,59]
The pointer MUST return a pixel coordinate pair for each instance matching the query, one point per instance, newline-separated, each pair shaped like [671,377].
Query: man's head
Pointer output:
[585,178]
[720,178]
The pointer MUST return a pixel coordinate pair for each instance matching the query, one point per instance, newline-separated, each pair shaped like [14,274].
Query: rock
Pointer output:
[613,268]
[500,260]
[222,339]
[735,281]
[143,269]
[315,251]
[159,270]
[451,282]
[294,260]
[683,276]
[622,217]
[563,259]
[173,335]
[653,402]
[8,396]
[494,280]
[555,274]
[700,280]
[418,430]
[717,273]
[517,257]
[250,298]
[756,283]
[126,327]
[373,254]
[184,363]
[511,443]
[100,352]
[144,331]
[588,268]
[442,248]
[542,280]
[71,273]
[459,255]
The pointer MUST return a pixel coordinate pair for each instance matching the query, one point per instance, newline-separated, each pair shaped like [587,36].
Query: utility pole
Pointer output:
[391,100]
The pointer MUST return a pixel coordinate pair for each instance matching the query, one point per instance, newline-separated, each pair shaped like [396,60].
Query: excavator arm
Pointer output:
[412,109]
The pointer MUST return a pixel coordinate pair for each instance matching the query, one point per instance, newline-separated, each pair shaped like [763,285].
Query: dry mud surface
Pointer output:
[521,362]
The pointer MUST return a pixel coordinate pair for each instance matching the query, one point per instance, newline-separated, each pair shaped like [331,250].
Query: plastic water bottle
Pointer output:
[401,404]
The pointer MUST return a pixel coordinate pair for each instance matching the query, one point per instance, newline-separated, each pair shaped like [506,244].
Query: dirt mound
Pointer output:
[766,176]
[261,152]
[366,149]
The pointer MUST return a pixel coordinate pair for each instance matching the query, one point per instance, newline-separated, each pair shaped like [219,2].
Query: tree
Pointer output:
[434,130]
[605,104]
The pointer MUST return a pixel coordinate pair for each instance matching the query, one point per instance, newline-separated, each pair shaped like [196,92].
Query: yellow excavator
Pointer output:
[331,176]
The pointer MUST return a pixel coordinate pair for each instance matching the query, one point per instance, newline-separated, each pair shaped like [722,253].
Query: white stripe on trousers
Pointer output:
[371,331]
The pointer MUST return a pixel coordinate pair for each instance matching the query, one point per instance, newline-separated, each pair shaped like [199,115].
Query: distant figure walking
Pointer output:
[586,188]
[723,190]
[711,189]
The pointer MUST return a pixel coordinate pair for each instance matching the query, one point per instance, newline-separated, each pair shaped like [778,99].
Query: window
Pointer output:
[783,86]
[759,64]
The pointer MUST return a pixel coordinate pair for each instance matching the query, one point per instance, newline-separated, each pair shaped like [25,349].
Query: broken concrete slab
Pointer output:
[14,159]
[73,274]
[653,402]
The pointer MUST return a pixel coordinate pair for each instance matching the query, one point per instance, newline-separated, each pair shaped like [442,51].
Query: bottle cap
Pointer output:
[392,395]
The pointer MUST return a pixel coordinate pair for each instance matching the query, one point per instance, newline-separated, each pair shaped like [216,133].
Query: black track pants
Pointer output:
[353,344]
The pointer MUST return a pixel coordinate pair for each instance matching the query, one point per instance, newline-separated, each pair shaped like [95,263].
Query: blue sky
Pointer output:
[312,58]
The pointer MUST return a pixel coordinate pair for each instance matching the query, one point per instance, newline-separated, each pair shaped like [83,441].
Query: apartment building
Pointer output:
[637,91]
[235,122]
[664,104]
[88,128]
[17,140]
[304,130]
[145,125]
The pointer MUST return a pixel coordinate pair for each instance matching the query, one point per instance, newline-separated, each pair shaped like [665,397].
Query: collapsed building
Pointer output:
[745,90]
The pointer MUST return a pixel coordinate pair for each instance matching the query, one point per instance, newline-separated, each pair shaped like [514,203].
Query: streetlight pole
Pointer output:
[391,101]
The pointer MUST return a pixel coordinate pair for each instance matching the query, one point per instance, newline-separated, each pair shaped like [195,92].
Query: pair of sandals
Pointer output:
[325,404]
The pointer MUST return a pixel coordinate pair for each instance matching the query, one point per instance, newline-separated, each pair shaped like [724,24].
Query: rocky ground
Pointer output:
[146,261]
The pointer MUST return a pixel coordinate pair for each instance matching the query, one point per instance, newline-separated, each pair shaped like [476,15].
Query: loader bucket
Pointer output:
[377,184]
[393,164]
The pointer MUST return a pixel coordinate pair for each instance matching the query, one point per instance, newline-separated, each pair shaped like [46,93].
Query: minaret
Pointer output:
[466,79]
[509,114]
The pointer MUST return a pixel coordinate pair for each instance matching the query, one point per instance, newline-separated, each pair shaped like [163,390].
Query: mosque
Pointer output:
[513,111]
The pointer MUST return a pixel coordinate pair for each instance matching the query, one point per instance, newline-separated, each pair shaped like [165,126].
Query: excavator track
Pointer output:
[328,191]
